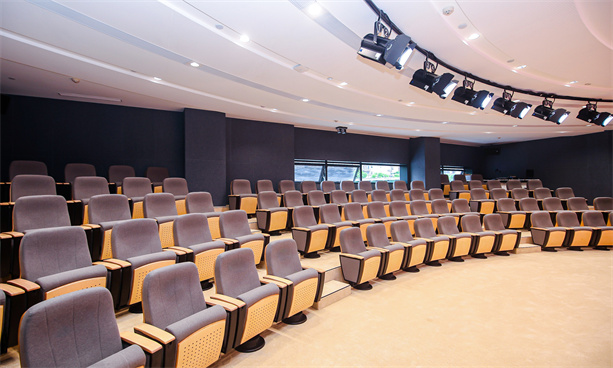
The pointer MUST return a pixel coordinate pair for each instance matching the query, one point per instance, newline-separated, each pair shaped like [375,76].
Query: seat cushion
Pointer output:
[109,224]
[370,253]
[300,276]
[255,295]
[52,281]
[139,261]
[251,237]
[130,357]
[187,326]
[203,247]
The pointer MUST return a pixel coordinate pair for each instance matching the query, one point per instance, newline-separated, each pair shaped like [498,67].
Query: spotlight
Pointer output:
[391,53]
[508,107]
[589,114]
[470,97]
[341,130]
[519,110]
[603,119]
[546,112]
[428,81]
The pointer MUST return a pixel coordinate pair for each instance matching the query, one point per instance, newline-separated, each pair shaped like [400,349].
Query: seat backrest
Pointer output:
[268,200]
[25,167]
[478,193]
[240,186]
[498,193]
[439,206]
[316,198]
[418,184]
[417,195]
[74,329]
[460,177]
[234,223]
[30,185]
[397,195]
[541,219]
[471,223]
[157,174]
[159,205]
[353,211]
[577,204]
[50,251]
[446,225]
[401,184]
[444,179]
[199,202]
[513,183]
[235,272]
[534,183]
[365,185]
[567,219]
[542,193]
[419,208]
[478,177]
[528,204]
[135,238]
[264,185]
[293,198]
[307,186]
[401,232]
[338,196]
[460,205]
[378,195]
[175,186]
[85,187]
[475,184]
[493,221]
[593,218]
[519,193]
[286,185]
[348,185]
[135,187]
[603,203]
[72,171]
[494,184]
[383,185]
[329,214]
[565,192]
[398,209]
[352,241]
[506,204]
[328,186]
[108,207]
[39,212]
[377,236]
[359,196]
[282,258]
[191,229]
[456,185]
[304,216]
[435,193]
[424,228]
[376,210]
[118,172]
[171,294]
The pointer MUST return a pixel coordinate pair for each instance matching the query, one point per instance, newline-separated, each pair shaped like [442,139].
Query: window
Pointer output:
[375,172]
[338,171]
[450,171]
[308,170]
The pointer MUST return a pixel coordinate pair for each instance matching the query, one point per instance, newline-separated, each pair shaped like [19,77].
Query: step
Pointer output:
[333,291]
[526,245]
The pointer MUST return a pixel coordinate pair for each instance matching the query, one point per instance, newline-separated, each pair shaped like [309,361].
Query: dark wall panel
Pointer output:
[426,161]
[58,132]
[469,157]
[258,150]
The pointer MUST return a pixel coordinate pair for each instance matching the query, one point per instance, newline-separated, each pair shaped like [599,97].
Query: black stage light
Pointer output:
[392,53]
[603,119]
[589,114]
[428,81]
[504,103]
[341,130]
[465,94]
[482,99]
[546,112]
[519,110]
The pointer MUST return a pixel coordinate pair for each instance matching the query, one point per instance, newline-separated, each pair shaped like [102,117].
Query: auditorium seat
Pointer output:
[564,193]
[72,171]
[264,185]
[202,202]
[416,249]
[460,243]
[353,212]
[316,199]
[398,209]
[603,204]
[348,185]
[26,167]
[484,240]
[365,185]
[519,193]
[579,236]
[418,184]
[401,184]
[460,177]
[513,184]
[119,172]
[494,184]
[329,214]
[286,185]
[553,205]
[395,254]
[439,245]
[541,193]
[418,195]
[479,202]
[241,197]
[328,186]
[379,195]
[339,197]
[383,185]
[533,184]
[457,190]
[291,200]
[461,206]
[191,231]
[498,193]
[437,193]
[577,205]
[420,208]
[511,217]
[178,188]
[4,323]
[162,208]
[307,186]
[506,239]
[29,185]
[234,225]
[475,184]
[603,233]
[445,184]
[309,236]
[136,188]
[305,284]
[156,175]
[175,315]
[440,208]
[270,216]
[358,264]
[398,195]
[85,187]
[529,205]
[237,283]
[478,177]
[545,234]
[376,210]
[107,210]
[77,329]
[358,196]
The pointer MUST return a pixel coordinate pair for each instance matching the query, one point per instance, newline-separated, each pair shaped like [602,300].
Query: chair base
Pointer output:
[548,250]
[136,308]
[206,285]
[335,249]
[411,269]
[363,286]
[480,256]
[296,319]
[311,255]
[388,276]
[434,264]
[253,344]
[602,248]
[576,249]
[456,259]
[504,254]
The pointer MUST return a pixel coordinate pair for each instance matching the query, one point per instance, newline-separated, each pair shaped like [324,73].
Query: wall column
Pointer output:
[426,161]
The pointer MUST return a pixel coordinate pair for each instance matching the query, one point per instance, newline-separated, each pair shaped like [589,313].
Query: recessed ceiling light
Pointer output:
[445,122]
[567,85]
[462,26]
[350,123]
[342,84]
[563,131]
[418,130]
[573,82]
[521,66]
[515,126]
[218,26]
[378,115]
[473,36]
[514,71]
[273,110]
[305,100]
[314,10]
[329,78]
[157,78]
[244,38]
[464,42]
[194,64]
[488,132]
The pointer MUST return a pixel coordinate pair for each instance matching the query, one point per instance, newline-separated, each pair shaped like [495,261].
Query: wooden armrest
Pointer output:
[349,255]
[319,270]
[94,226]
[382,250]
[11,290]
[175,251]
[228,240]
[74,201]
[229,307]
[538,228]
[26,285]
[228,299]
[281,282]
[262,210]
[5,236]
[301,229]
[155,333]
[118,262]
[14,234]
[108,265]
[182,249]
[7,203]
[145,343]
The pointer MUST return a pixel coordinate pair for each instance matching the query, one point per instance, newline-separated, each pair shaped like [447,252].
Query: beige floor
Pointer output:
[527,310]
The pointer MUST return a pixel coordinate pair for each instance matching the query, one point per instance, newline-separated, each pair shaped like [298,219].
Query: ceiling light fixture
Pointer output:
[512,108]
[378,47]
[244,38]
[468,96]
[314,9]
[341,130]
[546,112]
[427,80]
[305,100]
[591,115]
[473,36]
[194,64]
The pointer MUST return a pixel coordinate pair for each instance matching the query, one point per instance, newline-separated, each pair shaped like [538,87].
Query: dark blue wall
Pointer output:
[471,158]
[426,161]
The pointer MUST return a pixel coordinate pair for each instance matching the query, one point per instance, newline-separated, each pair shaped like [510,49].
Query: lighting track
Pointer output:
[386,19]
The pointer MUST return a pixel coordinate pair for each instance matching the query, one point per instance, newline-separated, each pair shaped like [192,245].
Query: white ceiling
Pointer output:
[116,48]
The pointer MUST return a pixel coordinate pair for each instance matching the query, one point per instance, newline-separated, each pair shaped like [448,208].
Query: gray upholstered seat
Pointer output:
[173,302]
[420,208]
[376,210]
[445,184]
[338,197]
[511,217]
[270,216]
[439,245]
[542,193]
[77,329]
[416,249]
[498,193]
[457,190]
[305,284]
[358,265]
[178,188]
[309,236]
[519,193]
[26,167]
[529,204]
[479,202]
[31,185]
[119,172]
[603,233]
[475,184]
[513,184]
[418,184]
[383,185]
[545,234]
[484,241]
[358,196]
[328,186]
[136,244]
[398,195]
[506,239]
[41,211]
[236,278]
[85,187]
[460,177]
[162,208]
[534,183]
[401,185]
[241,197]
[461,243]
[307,186]
[202,202]
[136,189]
[235,225]
[316,198]
[398,209]
[348,186]
[73,171]
[157,174]
[436,193]
[394,256]
[264,185]
[286,185]
[292,198]
[418,195]
[440,207]
[329,214]
[353,212]
[365,185]
[580,236]
[564,192]
[379,195]
[107,210]
[462,207]
[603,203]
[494,184]
[478,177]
[577,204]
